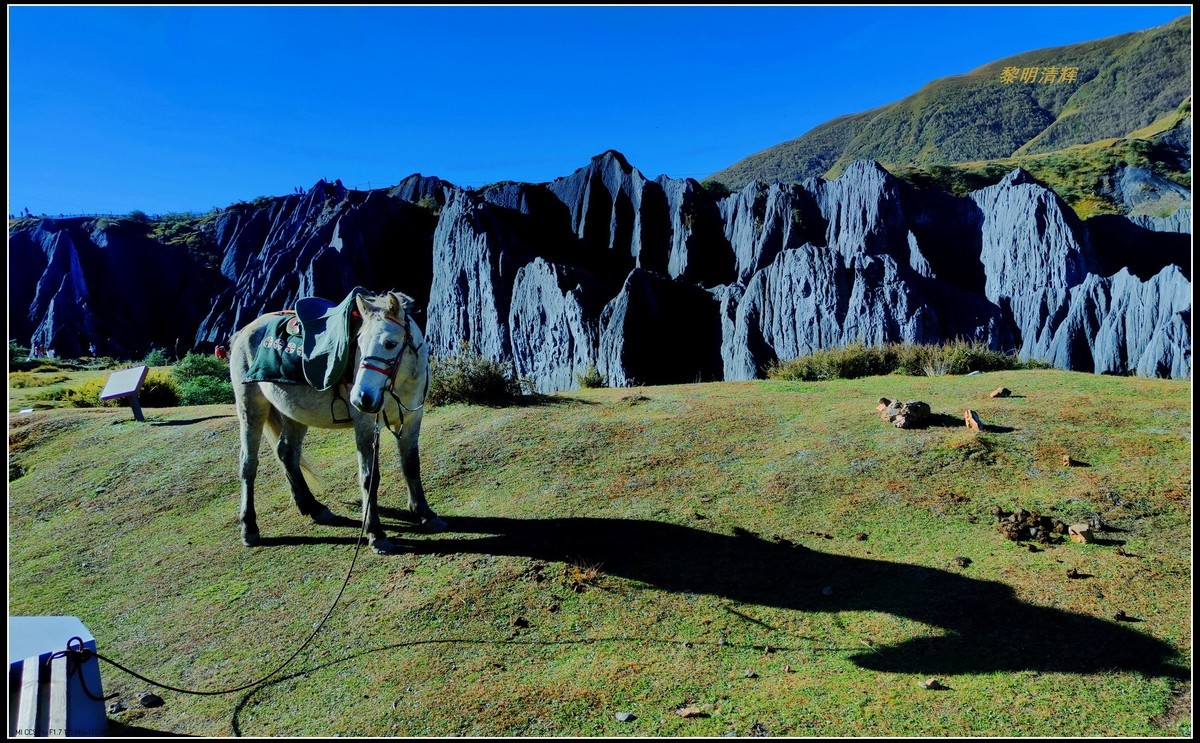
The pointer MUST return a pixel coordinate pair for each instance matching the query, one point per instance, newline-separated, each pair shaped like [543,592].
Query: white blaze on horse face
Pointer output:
[380,349]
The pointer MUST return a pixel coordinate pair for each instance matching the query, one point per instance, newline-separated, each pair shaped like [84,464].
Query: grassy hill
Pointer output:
[769,553]
[1123,83]
[1082,175]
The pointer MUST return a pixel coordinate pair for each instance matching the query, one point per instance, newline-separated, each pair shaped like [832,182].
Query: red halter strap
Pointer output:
[391,366]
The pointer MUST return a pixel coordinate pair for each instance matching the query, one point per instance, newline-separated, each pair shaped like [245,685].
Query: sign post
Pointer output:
[126,383]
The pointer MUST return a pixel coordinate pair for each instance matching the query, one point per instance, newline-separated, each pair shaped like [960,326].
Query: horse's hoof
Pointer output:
[383,546]
[324,517]
[250,540]
[434,524]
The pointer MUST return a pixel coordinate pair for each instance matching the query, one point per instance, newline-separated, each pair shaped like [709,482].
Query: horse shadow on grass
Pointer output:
[986,628]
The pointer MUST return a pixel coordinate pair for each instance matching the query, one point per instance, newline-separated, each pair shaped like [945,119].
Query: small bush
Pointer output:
[99,363]
[198,365]
[591,378]
[469,378]
[206,391]
[85,395]
[429,203]
[957,357]
[160,390]
[203,380]
[156,357]
[16,352]
[715,188]
[23,380]
[851,362]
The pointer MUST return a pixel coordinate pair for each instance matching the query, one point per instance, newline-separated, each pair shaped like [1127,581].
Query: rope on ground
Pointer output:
[77,654]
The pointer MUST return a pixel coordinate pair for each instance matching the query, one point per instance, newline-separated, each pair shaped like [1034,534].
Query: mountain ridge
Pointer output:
[651,281]
[1124,82]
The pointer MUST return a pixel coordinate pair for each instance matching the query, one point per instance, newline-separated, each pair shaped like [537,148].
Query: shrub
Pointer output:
[84,395]
[469,378]
[156,357]
[99,362]
[160,390]
[591,377]
[429,203]
[715,188]
[206,391]
[16,352]
[956,357]
[857,360]
[850,362]
[197,365]
[203,380]
[138,215]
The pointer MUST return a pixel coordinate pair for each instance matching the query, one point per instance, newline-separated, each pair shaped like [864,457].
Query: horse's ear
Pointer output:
[363,309]
[399,303]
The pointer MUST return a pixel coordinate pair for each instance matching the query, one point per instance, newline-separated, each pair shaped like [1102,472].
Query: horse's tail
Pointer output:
[273,428]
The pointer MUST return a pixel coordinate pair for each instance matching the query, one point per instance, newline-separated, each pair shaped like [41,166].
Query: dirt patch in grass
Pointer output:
[1178,712]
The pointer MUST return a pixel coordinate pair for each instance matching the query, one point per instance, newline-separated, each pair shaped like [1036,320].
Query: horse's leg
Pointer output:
[291,438]
[368,478]
[252,408]
[410,464]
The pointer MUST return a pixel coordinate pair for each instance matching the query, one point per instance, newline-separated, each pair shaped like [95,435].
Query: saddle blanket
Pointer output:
[278,358]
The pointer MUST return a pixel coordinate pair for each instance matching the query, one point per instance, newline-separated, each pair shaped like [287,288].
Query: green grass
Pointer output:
[712,517]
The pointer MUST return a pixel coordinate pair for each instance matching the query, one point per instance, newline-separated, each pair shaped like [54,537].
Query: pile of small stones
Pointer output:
[1026,526]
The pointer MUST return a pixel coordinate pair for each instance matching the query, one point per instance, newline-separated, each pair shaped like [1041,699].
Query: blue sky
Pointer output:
[181,108]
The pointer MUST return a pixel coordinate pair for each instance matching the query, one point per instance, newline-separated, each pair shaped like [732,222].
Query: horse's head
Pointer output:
[386,335]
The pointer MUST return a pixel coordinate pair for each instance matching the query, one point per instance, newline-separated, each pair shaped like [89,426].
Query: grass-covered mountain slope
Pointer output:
[1119,85]
[769,553]
[1089,176]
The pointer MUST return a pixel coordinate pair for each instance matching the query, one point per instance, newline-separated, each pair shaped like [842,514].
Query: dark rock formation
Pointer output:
[652,281]
[475,261]
[75,282]
[658,331]
[554,324]
[761,221]
[1121,324]
[323,243]
[617,215]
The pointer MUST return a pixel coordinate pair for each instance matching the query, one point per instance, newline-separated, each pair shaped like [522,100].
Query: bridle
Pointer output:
[390,367]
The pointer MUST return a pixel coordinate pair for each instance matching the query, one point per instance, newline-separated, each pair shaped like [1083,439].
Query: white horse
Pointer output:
[391,381]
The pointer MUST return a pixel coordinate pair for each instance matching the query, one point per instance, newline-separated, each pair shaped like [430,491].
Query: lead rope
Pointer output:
[77,654]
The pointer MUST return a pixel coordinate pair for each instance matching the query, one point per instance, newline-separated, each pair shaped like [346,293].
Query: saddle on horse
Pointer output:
[312,344]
